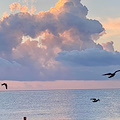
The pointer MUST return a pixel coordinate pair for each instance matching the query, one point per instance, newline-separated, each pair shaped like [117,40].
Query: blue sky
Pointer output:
[62,42]
[97,8]
[102,8]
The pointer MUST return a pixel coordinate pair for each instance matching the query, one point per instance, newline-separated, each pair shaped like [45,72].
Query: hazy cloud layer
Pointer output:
[38,43]
[89,57]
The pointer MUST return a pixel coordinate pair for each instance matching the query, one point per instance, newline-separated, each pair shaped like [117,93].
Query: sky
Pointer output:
[59,44]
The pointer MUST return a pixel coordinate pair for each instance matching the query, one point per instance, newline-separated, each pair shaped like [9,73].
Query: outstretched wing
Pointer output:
[4,85]
[93,99]
[107,74]
[117,71]
[110,76]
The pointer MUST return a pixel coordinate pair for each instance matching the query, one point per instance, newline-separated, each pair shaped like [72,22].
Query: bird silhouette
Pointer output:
[111,74]
[4,85]
[95,100]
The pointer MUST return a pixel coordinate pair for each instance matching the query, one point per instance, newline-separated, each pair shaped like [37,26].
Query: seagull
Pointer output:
[111,74]
[95,100]
[4,84]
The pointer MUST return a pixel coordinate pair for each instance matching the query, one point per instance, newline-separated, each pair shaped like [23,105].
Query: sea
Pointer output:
[60,104]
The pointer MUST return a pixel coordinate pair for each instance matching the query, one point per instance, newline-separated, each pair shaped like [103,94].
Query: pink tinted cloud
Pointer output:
[69,29]
[108,46]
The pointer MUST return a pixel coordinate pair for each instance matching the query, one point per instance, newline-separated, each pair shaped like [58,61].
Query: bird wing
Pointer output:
[5,85]
[117,71]
[93,99]
[107,74]
[110,76]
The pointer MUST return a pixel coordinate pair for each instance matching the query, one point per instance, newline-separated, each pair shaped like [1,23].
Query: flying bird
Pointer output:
[95,100]
[111,74]
[4,85]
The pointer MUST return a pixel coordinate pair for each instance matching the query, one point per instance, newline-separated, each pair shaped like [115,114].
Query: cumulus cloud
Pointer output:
[16,6]
[108,46]
[5,15]
[22,8]
[62,34]
[89,57]
[57,24]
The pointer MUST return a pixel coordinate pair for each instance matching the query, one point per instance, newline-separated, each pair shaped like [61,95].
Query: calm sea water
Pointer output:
[60,105]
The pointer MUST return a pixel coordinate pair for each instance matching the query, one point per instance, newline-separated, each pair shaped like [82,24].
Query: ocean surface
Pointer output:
[60,105]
